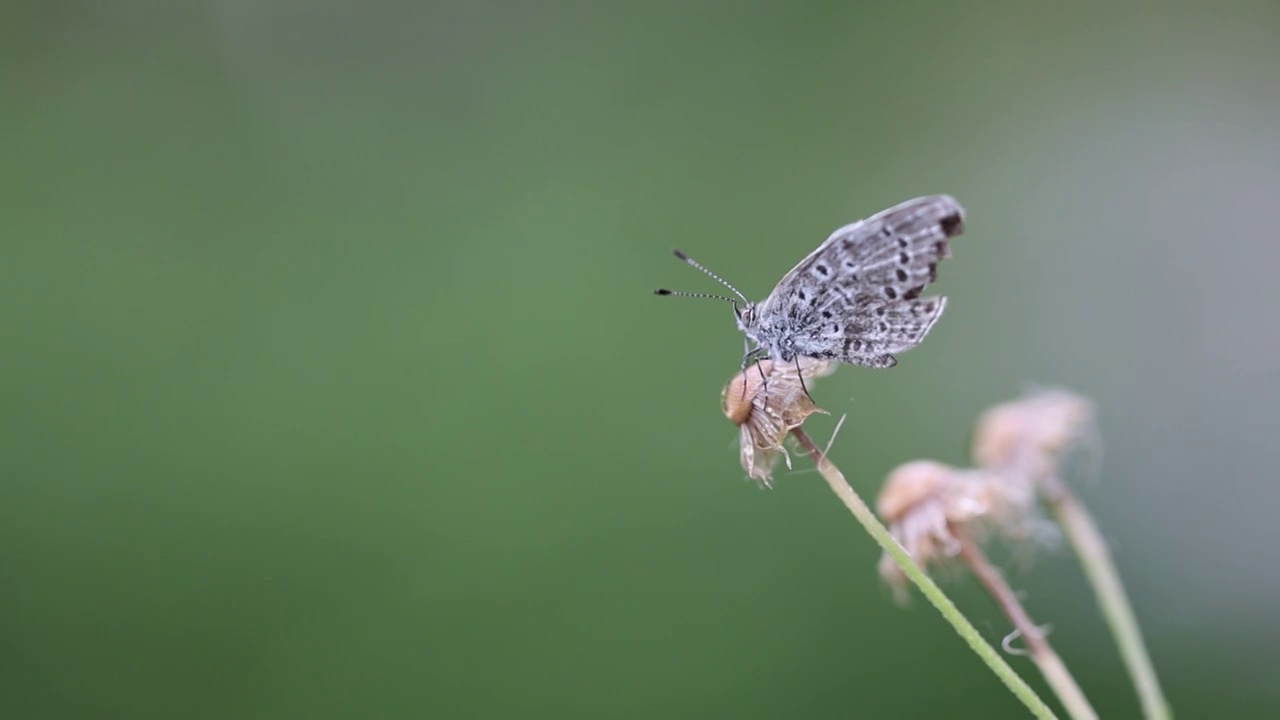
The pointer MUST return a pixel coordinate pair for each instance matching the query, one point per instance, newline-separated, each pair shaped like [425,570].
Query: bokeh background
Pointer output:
[333,385]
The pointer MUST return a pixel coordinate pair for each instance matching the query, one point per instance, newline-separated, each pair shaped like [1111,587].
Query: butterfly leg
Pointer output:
[755,356]
[800,375]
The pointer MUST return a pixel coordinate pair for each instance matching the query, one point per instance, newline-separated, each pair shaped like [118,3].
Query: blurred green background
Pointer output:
[333,385]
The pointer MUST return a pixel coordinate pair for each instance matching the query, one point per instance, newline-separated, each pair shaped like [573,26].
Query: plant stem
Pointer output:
[1042,654]
[959,622]
[1101,571]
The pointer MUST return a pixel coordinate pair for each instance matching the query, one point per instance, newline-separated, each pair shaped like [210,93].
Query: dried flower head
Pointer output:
[920,502]
[1027,437]
[925,502]
[766,401]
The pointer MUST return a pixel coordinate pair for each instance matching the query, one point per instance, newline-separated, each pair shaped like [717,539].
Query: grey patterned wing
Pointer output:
[875,329]
[892,254]
[861,288]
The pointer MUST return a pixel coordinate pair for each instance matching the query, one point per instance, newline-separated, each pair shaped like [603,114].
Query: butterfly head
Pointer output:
[746,315]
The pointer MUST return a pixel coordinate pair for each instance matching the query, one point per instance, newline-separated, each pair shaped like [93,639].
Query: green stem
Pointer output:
[1042,653]
[1101,571]
[959,622]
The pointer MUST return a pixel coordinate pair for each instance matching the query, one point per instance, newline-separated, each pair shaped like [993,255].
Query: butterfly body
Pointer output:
[856,298]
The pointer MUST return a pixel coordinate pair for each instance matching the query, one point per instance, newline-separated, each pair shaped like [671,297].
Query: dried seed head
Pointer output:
[912,485]
[1029,436]
[1017,448]
[924,501]
[915,504]
[766,401]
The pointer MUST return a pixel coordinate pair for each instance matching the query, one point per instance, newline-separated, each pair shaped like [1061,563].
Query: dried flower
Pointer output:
[1027,438]
[1017,447]
[922,501]
[766,401]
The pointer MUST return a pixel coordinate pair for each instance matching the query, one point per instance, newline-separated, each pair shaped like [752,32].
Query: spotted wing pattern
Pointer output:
[856,298]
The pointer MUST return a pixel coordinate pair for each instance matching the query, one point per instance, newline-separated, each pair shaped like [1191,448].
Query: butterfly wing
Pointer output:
[856,298]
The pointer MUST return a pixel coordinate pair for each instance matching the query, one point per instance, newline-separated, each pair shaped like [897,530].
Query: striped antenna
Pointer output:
[713,276]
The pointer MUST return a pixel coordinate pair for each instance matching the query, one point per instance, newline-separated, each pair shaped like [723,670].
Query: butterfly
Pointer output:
[856,298]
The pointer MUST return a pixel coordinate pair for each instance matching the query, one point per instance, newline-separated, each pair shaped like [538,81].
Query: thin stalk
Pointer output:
[950,613]
[1042,653]
[1101,571]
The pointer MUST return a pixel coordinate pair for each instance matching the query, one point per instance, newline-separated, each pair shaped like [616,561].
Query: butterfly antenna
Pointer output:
[677,293]
[710,274]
